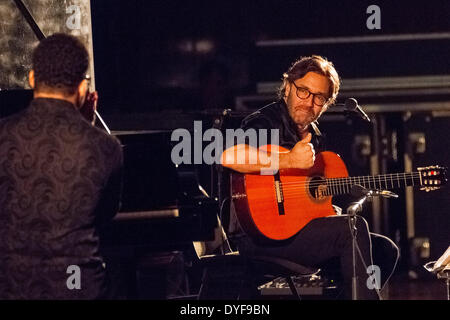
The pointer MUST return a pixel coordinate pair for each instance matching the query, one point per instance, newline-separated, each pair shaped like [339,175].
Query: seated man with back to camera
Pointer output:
[60,182]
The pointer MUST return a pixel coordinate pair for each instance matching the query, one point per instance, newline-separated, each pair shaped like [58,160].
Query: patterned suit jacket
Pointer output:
[59,182]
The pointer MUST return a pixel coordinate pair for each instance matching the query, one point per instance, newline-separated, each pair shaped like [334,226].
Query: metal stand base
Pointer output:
[445,275]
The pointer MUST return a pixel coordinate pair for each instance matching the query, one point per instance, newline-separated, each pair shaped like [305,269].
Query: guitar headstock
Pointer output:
[432,177]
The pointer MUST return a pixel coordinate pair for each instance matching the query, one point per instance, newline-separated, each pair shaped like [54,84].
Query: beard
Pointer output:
[302,112]
[302,116]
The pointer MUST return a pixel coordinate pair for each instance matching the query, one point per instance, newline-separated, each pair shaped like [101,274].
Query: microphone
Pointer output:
[352,105]
[359,191]
[388,194]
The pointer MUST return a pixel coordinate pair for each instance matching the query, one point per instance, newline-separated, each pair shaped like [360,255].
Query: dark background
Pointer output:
[149,54]
[167,59]
[164,64]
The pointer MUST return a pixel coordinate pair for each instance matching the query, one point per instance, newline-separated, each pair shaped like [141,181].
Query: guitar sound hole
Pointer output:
[318,188]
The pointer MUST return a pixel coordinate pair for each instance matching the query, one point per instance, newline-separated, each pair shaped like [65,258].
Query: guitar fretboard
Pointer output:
[336,186]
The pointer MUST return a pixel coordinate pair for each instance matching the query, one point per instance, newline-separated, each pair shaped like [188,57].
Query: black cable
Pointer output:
[396,260]
[222,233]
[360,254]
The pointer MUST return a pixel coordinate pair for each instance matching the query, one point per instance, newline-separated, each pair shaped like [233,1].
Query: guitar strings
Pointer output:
[338,188]
[335,186]
[301,196]
[345,182]
[342,185]
[304,196]
[352,180]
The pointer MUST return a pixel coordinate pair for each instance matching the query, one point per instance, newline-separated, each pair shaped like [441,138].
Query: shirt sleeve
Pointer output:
[109,203]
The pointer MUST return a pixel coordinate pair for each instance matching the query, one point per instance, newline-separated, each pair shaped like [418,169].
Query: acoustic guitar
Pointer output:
[276,207]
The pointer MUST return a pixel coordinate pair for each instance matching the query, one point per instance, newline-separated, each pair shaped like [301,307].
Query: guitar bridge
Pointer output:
[278,191]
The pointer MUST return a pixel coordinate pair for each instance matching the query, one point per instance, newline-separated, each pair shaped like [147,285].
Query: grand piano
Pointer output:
[162,203]
[163,210]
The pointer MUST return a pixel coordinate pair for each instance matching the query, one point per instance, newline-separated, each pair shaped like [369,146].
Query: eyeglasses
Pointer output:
[87,77]
[303,93]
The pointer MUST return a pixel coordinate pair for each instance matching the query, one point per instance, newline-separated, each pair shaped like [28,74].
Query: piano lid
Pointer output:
[18,38]
[151,180]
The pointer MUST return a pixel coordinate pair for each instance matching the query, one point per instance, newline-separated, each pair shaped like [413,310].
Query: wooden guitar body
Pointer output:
[277,210]
[276,207]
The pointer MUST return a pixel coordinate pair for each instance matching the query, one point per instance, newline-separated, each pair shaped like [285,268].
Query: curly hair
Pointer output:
[60,63]
[315,64]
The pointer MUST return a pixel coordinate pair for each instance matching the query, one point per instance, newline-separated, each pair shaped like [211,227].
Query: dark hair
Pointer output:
[316,64]
[60,63]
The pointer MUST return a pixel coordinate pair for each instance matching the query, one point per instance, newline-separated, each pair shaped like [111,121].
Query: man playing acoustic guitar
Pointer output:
[309,87]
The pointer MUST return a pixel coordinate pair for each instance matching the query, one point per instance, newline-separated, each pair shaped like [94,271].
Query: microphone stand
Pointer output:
[352,210]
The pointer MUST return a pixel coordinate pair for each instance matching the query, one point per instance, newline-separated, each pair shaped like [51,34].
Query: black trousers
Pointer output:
[323,240]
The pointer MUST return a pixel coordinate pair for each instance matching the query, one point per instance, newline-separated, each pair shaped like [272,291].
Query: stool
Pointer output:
[236,277]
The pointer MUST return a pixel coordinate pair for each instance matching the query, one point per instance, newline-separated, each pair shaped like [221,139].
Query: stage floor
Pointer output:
[426,288]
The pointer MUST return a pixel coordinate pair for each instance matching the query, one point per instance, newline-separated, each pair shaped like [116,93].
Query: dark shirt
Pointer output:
[274,116]
[59,183]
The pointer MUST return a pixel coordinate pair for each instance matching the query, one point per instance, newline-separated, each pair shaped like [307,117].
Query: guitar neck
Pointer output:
[337,186]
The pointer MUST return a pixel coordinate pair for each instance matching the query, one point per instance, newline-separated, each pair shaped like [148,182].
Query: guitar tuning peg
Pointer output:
[428,189]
